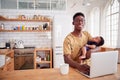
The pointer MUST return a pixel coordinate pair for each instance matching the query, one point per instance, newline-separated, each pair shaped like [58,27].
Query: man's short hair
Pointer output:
[78,14]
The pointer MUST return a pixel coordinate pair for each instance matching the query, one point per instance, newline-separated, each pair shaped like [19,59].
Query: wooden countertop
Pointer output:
[6,51]
[51,74]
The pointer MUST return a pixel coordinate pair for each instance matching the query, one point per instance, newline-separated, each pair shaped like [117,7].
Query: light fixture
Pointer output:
[86,2]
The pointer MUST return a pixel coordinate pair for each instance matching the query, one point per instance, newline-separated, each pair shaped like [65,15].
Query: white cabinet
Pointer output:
[61,28]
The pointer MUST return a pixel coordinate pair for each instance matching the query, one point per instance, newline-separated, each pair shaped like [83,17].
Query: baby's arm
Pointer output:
[91,46]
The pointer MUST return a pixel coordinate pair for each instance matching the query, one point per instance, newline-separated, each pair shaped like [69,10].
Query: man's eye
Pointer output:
[79,20]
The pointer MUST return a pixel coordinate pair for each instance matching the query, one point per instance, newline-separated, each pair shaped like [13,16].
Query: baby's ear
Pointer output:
[73,23]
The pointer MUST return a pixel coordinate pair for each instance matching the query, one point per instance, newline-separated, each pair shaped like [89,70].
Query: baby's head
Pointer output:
[99,40]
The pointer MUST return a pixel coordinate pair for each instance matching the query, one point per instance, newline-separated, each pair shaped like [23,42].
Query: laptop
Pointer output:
[102,63]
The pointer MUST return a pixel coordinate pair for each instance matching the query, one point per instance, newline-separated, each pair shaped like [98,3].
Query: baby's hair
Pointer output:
[101,42]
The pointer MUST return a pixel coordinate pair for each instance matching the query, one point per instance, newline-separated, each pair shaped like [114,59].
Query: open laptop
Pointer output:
[103,63]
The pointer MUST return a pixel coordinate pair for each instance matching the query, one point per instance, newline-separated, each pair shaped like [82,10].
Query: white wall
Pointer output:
[101,6]
[38,39]
[62,27]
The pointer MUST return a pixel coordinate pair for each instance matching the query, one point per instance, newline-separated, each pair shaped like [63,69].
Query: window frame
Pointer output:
[111,34]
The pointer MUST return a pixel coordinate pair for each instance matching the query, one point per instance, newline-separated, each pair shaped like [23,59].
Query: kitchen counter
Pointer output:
[52,74]
[24,50]
[5,51]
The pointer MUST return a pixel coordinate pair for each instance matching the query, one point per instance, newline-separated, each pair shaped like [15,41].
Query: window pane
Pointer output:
[8,4]
[112,17]
[58,4]
[42,4]
[26,5]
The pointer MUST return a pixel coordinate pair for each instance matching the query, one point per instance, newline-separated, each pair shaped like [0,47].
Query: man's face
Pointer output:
[79,22]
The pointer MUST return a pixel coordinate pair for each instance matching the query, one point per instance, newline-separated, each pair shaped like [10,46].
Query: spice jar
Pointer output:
[2,26]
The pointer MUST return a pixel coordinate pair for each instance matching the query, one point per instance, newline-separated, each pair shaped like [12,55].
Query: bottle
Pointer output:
[2,26]
[48,57]
[23,27]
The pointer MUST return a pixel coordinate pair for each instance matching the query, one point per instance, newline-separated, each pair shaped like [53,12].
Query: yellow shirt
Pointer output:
[73,44]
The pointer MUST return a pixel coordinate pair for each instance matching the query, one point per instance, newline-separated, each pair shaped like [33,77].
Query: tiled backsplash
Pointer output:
[37,39]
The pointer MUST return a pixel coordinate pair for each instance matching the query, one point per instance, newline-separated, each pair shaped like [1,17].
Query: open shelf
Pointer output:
[24,30]
[42,56]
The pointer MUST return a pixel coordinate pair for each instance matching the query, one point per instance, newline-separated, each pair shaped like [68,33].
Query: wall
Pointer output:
[97,4]
[37,39]
[73,6]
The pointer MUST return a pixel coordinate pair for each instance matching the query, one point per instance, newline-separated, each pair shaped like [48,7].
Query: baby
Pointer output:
[95,42]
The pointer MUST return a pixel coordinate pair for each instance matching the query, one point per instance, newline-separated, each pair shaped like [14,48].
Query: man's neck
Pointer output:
[77,33]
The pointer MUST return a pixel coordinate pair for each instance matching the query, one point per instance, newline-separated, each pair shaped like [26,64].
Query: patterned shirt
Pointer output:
[73,44]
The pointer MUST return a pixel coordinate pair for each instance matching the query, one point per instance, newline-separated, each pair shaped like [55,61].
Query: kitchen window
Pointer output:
[8,4]
[111,24]
[34,4]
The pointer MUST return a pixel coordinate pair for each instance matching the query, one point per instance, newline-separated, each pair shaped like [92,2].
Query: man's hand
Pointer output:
[84,68]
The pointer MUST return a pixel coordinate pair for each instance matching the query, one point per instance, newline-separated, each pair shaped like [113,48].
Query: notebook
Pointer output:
[102,63]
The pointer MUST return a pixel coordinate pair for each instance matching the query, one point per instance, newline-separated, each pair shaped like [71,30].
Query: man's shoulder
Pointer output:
[69,35]
[85,32]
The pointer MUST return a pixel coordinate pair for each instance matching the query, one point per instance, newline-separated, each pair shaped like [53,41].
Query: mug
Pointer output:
[64,69]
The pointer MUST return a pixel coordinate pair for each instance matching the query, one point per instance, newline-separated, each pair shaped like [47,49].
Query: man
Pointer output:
[75,41]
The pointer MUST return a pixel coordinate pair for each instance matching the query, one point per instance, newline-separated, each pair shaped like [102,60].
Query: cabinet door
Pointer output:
[9,66]
[16,64]
[8,4]
[19,61]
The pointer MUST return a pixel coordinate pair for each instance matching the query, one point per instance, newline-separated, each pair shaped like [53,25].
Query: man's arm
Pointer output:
[74,64]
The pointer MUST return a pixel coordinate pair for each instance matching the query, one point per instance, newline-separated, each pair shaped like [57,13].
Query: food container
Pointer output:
[2,26]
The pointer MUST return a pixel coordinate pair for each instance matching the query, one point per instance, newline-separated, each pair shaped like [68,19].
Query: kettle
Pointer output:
[19,44]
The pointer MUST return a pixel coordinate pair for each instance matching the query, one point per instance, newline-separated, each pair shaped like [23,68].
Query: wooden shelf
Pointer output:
[48,29]
[24,30]
[49,52]
[44,62]
[31,20]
